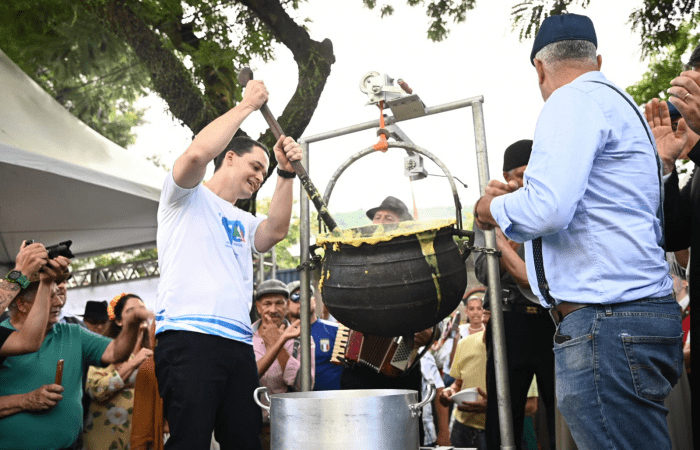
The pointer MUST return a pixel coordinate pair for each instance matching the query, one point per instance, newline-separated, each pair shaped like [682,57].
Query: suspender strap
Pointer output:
[539,271]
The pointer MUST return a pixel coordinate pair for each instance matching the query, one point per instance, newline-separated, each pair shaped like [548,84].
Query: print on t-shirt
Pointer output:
[234,229]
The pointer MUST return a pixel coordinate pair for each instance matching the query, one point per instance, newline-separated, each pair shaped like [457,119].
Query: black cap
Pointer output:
[271,286]
[563,27]
[96,310]
[517,155]
[392,204]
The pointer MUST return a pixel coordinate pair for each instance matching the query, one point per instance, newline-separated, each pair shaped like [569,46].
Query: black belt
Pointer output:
[524,309]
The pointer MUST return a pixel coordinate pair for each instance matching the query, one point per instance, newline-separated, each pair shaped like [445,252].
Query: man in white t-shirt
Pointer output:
[205,363]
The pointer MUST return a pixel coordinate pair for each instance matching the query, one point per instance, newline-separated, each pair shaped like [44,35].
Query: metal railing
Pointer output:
[116,273]
[148,268]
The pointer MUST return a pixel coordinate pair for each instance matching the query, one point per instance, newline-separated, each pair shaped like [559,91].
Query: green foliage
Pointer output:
[63,48]
[665,65]
[529,14]
[657,21]
[285,260]
[440,14]
[110,259]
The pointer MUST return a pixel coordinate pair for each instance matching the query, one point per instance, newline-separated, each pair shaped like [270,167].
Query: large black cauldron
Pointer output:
[391,280]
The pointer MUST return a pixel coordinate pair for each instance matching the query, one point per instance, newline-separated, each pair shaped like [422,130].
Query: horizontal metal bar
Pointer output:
[391,120]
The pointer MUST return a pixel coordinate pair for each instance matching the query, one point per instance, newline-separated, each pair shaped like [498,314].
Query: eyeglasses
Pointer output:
[295,297]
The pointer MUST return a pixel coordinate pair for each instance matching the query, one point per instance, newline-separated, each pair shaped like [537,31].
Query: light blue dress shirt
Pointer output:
[591,192]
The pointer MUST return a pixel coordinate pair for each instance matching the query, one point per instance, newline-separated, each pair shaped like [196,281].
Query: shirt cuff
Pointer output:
[498,211]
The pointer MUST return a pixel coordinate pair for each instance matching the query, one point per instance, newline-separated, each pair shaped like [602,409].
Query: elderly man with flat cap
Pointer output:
[590,213]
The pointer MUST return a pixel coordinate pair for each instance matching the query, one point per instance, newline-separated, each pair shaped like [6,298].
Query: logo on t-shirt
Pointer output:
[234,229]
[325,345]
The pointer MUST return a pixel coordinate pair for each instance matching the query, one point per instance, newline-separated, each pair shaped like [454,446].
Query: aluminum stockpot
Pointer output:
[376,419]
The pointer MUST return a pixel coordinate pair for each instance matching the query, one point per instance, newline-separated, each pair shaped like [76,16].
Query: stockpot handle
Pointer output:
[256,397]
[416,408]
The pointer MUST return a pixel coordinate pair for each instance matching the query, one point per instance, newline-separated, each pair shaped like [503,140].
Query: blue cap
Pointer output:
[564,27]
[675,114]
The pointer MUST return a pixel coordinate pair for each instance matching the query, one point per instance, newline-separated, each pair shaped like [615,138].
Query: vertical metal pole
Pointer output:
[498,338]
[304,242]
[273,267]
[261,268]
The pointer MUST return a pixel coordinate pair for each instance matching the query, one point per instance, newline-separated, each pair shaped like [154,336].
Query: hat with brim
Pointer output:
[563,27]
[392,204]
[272,286]
[95,310]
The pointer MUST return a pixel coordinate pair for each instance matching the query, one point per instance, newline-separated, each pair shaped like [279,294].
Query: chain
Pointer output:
[488,251]
[310,263]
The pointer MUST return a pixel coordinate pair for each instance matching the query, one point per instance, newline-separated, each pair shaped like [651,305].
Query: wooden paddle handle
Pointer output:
[244,76]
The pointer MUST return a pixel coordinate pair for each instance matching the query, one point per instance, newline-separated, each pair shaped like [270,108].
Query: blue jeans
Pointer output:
[614,373]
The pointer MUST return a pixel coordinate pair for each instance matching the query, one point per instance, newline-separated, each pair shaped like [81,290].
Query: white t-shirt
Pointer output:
[206,269]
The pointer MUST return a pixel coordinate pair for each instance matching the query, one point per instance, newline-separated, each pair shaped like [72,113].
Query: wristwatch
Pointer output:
[16,276]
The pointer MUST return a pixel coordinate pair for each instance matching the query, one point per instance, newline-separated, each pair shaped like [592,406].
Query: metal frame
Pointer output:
[498,335]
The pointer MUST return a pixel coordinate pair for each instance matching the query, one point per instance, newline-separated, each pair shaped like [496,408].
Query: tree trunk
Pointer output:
[174,83]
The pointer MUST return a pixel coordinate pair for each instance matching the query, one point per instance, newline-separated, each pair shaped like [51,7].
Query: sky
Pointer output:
[481,57]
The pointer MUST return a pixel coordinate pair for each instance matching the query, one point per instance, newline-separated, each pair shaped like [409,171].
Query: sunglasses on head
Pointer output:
[295,297]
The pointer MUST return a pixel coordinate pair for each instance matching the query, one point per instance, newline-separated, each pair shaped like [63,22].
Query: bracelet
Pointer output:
[286,174]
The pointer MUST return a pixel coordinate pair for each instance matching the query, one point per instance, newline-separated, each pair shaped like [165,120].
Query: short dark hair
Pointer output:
[240,146]
[694,60]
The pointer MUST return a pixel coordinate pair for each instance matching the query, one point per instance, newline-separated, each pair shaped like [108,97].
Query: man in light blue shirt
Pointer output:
[589,213]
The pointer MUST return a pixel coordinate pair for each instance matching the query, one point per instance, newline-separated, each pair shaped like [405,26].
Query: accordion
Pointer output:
[390,356]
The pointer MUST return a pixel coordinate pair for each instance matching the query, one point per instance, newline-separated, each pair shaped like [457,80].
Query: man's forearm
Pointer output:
[511,263]
[482,211]
[443,418]
[31,335]
[190,168]
[268,358]
[121,347]
[12,404]
[283,357]
[276,226]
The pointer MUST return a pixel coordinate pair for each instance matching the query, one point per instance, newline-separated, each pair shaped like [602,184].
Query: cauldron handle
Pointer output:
[470,238]
[409,147]
[256,397]
[416,408]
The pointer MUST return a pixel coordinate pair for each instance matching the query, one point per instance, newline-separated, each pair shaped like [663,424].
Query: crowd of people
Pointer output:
[582,224]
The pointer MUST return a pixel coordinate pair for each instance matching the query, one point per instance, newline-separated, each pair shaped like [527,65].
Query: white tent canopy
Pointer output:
[60,180]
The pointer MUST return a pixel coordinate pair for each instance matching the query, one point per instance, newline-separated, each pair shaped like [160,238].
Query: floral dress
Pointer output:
[108,423]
